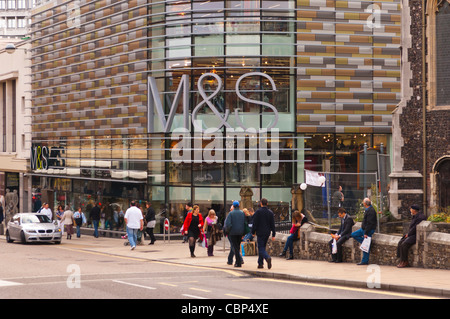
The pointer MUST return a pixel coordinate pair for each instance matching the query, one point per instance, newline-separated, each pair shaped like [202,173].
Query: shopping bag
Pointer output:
[334,247]
[365,245]
[204,243]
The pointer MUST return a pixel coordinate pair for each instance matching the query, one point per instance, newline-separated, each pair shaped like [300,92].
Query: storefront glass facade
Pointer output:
[97,135]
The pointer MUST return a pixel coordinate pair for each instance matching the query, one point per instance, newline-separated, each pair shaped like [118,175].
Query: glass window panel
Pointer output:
[233,193]
[279,8]
[284,170]
[237,25]
[243,45]
[156,156]
[178,47]
[208,9]
[279,202]
[179,173]
[178,10]
[176,212]
[73,152]
[209,45]
[119,151]
[206,27]
[243,7]
[275,45]
[178,30]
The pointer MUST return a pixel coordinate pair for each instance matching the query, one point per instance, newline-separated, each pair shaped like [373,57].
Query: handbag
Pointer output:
[365,245]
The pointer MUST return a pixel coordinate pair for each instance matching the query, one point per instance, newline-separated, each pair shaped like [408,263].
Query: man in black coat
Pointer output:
[367,229]
[95,216]
[409,239]
[263,225]
[343,234]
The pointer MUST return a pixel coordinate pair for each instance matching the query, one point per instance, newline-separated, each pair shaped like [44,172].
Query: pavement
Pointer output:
[429,282]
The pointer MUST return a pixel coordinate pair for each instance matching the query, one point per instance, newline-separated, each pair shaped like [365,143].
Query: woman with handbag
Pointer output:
[212,231]
[193,226]
[298,219]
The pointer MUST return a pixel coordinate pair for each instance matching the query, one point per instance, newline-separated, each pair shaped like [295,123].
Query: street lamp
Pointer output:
[10,48]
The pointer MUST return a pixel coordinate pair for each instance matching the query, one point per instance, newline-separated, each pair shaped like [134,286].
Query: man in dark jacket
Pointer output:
[343,234]
[410,238]
[95,216]
[367,229]
[150,219]
[235,226]
[263,225]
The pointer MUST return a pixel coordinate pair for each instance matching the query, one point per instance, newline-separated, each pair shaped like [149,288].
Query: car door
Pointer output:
[14,227]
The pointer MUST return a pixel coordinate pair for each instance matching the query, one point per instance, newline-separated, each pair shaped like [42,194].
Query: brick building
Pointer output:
[421,149]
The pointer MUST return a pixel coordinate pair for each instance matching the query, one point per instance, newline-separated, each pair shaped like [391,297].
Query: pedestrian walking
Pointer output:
[95,216]
[263,225]
[67,220]
[343,234]
[298,219]
[193,224]
[231,254]
[367,229]
[212,231]
[135,222]
[78,217]
[59,213]
[408,240]
[151,222]
[235,226]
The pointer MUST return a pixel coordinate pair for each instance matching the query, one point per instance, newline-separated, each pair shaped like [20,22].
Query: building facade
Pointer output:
[15,18]
[115,81]
[421,121]
[15,119]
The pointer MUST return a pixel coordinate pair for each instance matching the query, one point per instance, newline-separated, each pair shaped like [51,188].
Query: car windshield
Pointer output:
[30,219]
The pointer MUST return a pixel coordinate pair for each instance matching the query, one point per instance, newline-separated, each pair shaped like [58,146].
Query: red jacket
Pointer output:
[187,223]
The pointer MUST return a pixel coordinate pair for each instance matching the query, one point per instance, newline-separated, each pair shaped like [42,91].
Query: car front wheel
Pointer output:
[22,237]
[8,238]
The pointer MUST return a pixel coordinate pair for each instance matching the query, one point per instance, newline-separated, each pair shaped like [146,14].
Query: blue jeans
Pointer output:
[262,253]
[132,236]
[95,222]
[358,235]
[78,231]
[290,243]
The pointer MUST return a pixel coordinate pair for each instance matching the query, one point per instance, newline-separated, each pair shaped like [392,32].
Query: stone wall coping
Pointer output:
[439,238]
[385,239]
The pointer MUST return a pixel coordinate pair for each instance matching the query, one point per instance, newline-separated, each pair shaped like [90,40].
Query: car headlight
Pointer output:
[31,231]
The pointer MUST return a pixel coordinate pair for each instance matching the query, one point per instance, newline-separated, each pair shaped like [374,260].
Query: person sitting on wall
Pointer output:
[409,239]
[343,234]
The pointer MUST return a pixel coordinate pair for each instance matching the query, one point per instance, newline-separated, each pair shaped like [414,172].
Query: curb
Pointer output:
[434,292]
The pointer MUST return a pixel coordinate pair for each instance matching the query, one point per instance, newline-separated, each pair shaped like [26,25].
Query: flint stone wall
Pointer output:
[431,250]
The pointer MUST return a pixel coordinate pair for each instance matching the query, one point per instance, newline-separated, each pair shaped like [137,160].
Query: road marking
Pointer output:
[166,284]
[231,272]
[135,285]
[4,283]
[367,290]
[237,296]
[192,296]
[198,289]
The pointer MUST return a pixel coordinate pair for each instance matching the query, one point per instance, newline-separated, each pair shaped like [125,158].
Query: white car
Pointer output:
[31,227]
